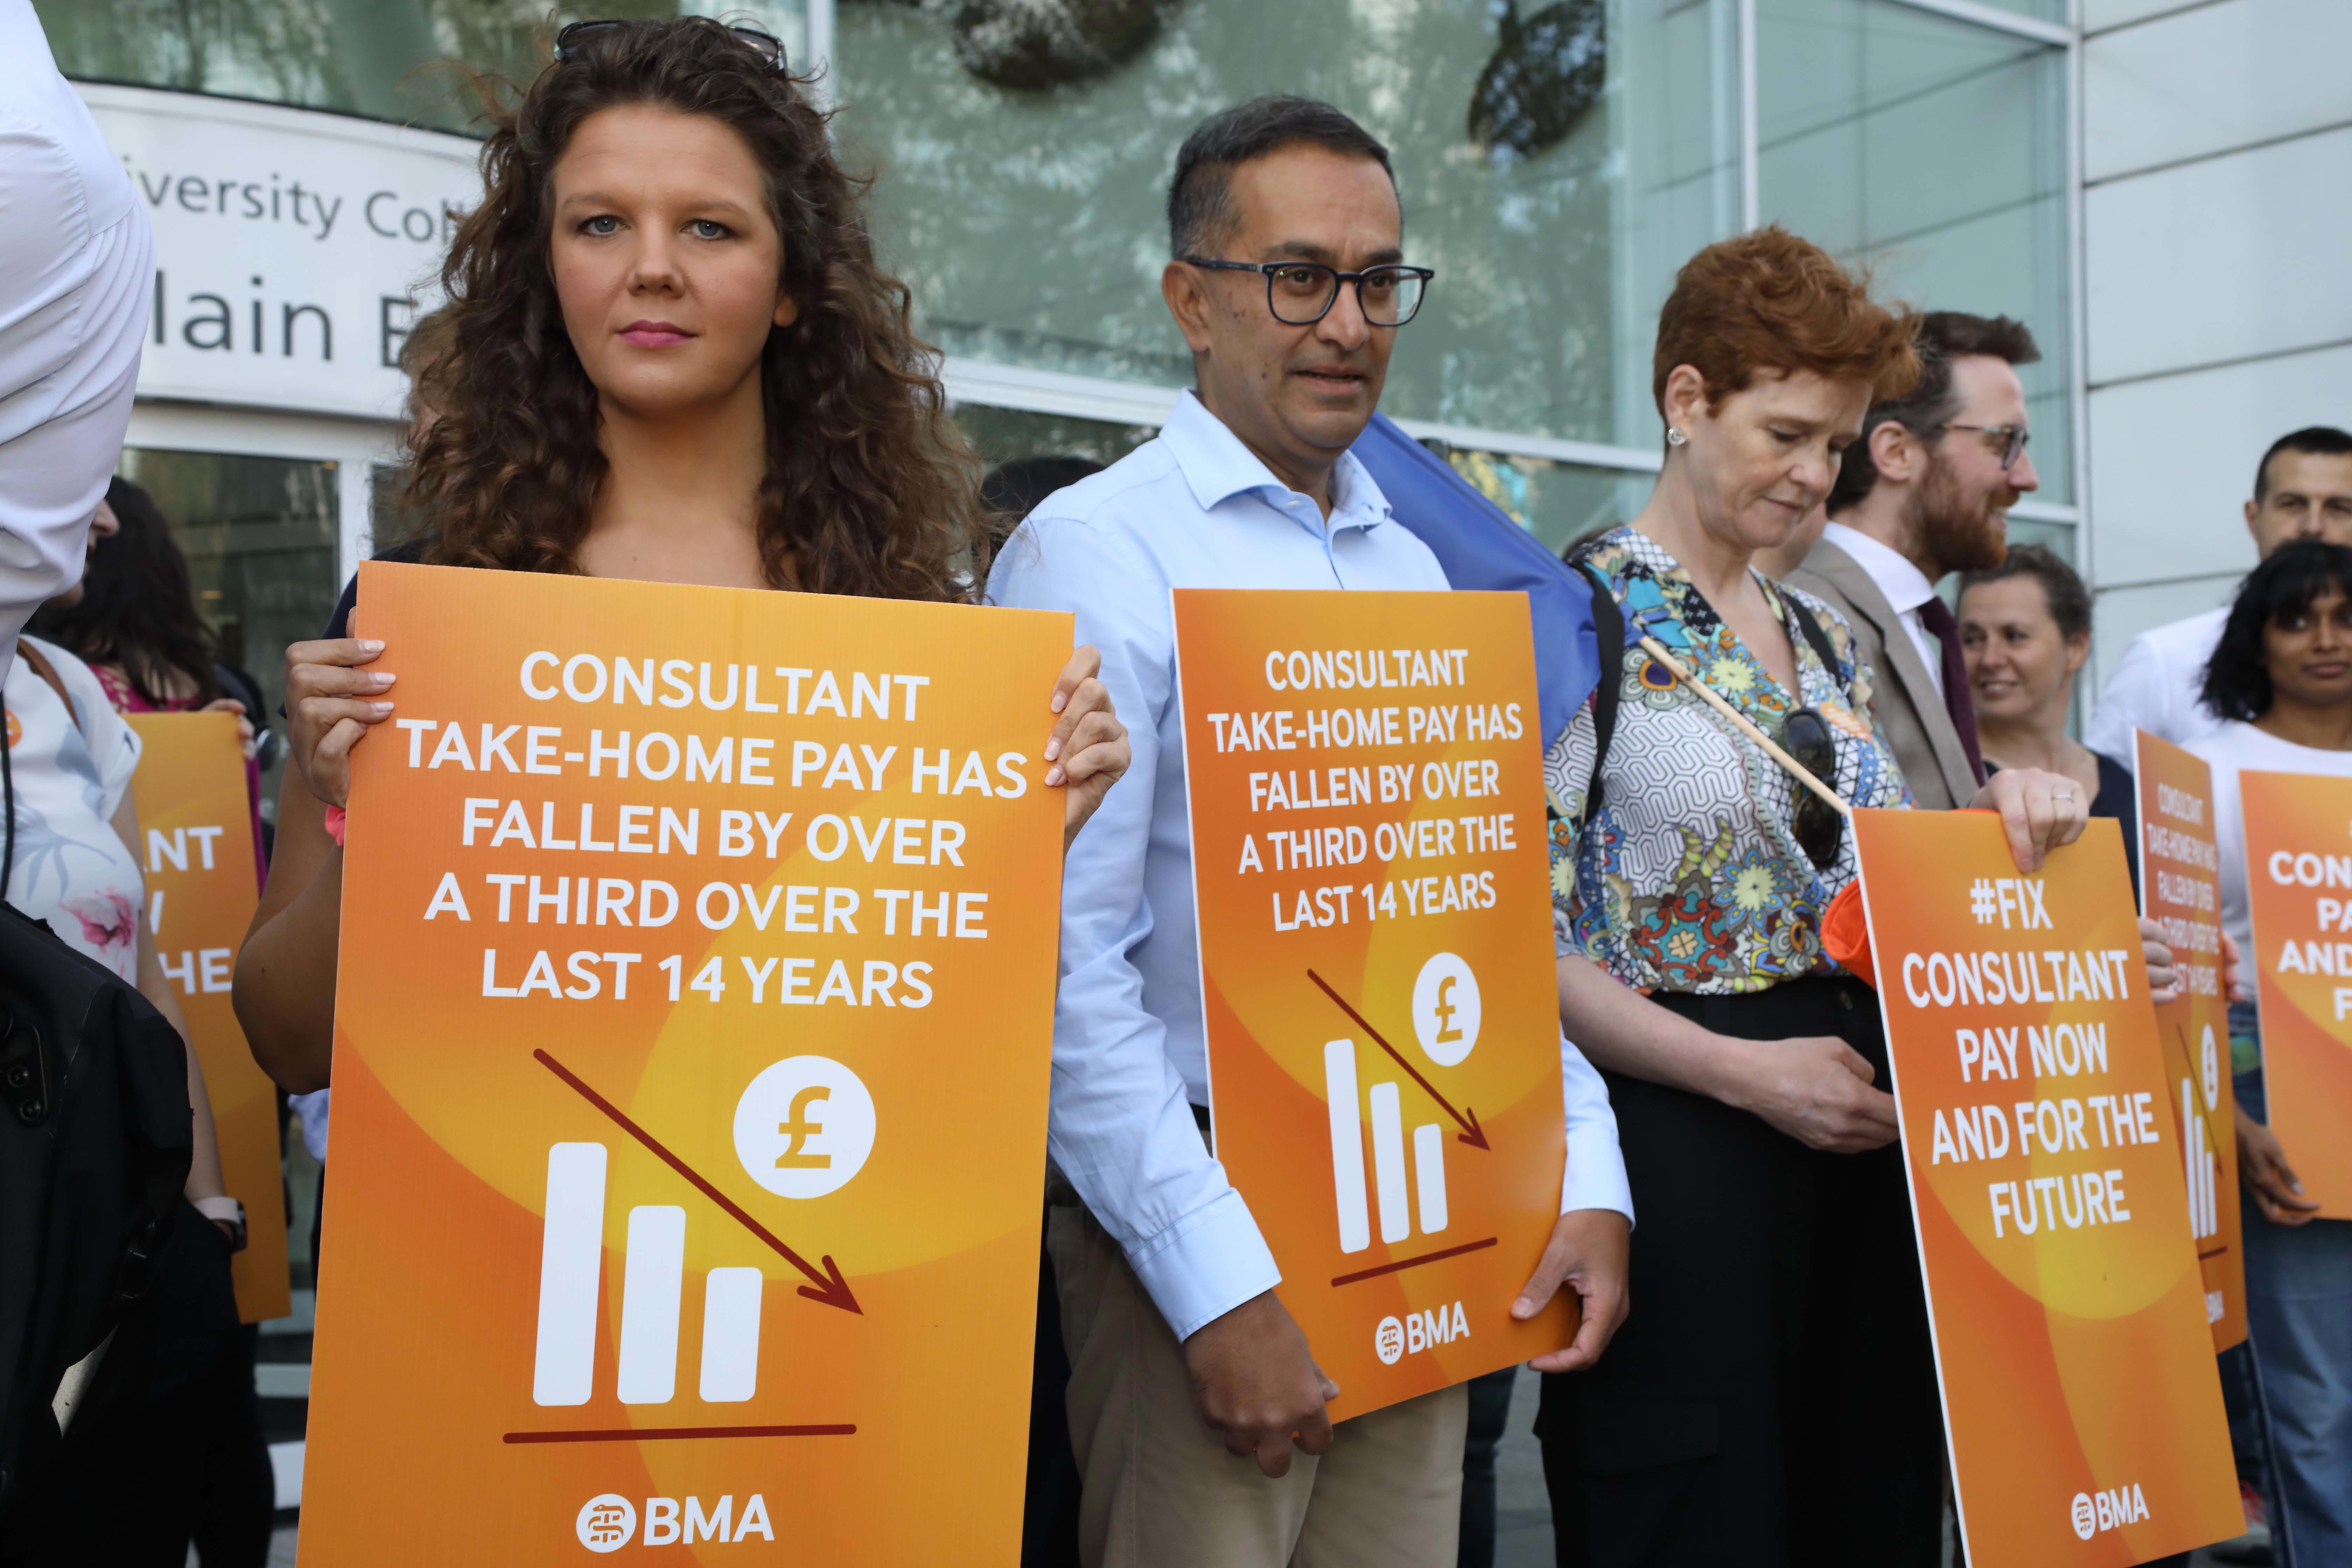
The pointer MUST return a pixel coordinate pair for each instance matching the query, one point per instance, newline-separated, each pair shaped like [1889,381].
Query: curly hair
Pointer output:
[2238,677]
[869,489]
[1770,302]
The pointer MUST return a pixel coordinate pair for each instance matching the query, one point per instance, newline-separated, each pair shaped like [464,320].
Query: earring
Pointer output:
[1675,437]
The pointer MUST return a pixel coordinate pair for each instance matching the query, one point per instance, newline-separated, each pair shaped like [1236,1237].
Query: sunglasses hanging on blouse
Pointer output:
[1810,752]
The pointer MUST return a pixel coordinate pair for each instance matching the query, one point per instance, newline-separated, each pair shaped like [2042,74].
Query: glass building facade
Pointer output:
[1556,164]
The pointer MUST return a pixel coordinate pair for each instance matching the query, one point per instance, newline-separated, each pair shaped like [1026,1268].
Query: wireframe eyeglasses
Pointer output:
[2011,438]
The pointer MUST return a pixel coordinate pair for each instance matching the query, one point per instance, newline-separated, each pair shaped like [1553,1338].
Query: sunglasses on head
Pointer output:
[767,46]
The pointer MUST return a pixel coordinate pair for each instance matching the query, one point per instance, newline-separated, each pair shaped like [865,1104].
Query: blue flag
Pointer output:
[1480,547]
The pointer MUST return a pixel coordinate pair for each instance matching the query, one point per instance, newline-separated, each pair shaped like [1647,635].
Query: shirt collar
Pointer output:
[1218,467]
[1905,586]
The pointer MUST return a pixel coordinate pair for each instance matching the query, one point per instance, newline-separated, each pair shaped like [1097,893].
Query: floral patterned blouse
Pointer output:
[70,771]
[1688,877]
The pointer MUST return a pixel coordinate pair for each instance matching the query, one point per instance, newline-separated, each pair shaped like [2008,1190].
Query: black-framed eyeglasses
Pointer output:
[1819,827]
[1301,294]
[767,46]
[2013,440]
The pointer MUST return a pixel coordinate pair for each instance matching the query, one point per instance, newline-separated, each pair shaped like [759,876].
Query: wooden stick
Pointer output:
[1803,774]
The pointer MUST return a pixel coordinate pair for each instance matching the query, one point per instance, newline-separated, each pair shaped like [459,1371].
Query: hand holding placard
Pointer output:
[1383,1035]
[2047,1189]
[694,943]
[2299,889]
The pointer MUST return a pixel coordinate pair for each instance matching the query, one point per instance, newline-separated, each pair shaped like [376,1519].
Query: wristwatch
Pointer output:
[225,1210]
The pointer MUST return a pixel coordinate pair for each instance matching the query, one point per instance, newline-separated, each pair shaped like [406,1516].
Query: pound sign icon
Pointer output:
[799,1129]
[1446,1033]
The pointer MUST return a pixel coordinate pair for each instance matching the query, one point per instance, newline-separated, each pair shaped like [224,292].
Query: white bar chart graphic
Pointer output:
[2203,1168]
[653,1289]
[1350,1108]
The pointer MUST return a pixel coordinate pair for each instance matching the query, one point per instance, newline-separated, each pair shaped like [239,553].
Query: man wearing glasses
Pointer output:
[1927,491]
[1190,1384]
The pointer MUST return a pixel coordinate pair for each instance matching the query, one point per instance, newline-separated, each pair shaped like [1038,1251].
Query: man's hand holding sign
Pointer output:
[694,941]
[2065,1294]
[1384,1046]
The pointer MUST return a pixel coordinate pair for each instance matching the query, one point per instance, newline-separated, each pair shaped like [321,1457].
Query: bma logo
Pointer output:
[608,1521]
[1395,1339]
[2096,1512]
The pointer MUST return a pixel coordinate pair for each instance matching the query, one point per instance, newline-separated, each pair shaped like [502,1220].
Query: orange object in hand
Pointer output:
[1846,933]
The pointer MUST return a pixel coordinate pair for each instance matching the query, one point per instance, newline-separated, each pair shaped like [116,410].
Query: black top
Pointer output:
[2118,797]
[411,554]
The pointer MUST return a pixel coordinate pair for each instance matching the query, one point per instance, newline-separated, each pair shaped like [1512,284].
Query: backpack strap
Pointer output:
[40,665]
[1812,628]
[1608,632]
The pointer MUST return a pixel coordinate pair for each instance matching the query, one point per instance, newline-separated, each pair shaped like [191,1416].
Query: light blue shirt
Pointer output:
[1195,509]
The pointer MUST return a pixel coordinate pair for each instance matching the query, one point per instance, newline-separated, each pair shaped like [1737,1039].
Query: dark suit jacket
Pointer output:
[1905,703]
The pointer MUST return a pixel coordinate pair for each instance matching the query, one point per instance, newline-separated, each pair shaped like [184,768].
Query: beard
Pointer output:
[1962,530]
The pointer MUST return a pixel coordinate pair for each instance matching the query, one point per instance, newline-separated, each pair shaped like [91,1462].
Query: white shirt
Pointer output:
[1906,587]
[2158,685]
[77,268]
[69,774]
[2230,748]
[1195,509]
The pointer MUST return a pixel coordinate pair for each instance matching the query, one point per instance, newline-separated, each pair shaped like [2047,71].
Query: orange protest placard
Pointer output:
[2180,889]
[691,1041]
[1375,917]
[2081,1402]
[197,817]
[2298,889]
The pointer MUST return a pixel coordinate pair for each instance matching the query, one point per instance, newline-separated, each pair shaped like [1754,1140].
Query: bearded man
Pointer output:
[1927,491]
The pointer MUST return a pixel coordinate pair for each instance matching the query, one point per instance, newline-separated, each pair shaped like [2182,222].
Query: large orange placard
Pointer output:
[2299,889]
[2081,1402]
[193,808]
[1376,957]
[692,1035]
[2180,889]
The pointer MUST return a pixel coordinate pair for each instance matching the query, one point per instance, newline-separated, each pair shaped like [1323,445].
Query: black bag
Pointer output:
[95,1141]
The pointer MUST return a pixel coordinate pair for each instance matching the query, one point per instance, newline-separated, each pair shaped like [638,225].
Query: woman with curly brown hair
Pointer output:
[673,359]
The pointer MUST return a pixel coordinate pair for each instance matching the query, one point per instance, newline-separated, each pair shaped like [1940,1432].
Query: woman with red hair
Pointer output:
[1772,1396]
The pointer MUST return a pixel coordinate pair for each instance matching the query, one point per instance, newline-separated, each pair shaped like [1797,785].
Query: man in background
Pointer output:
[1197,1411]
[2303,489]
[1927,491]
[77,262]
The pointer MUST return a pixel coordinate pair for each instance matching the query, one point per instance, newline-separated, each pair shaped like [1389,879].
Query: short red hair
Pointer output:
[1769,303]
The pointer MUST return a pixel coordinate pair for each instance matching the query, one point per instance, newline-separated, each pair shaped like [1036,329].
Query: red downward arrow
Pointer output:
[830,1288]
[1471,1132]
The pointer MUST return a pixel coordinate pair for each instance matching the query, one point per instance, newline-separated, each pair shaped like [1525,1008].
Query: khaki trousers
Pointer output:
[1160,1490]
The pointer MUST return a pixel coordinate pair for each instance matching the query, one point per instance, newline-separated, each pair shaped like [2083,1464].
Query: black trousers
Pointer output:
[1772,1398]
[186,1463]
[1490,1420]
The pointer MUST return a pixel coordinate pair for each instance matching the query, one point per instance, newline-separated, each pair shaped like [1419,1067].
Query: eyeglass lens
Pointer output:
[1303,294]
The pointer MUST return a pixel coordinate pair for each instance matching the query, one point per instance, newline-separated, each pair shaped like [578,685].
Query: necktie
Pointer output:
[1937,618]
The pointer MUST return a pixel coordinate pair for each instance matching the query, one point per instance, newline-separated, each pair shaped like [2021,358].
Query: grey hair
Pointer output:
[1200,195]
